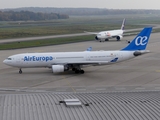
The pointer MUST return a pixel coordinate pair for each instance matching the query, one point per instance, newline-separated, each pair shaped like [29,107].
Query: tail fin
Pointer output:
[140,42]
[89,49]
[123,24]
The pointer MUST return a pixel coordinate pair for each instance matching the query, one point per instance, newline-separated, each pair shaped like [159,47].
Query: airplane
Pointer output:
[106,35]
[64,61]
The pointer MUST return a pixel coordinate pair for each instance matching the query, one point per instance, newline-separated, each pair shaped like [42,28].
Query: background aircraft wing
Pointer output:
[91,32]
[133,33]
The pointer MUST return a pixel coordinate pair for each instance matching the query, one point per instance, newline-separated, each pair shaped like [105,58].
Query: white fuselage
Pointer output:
[28,60]
[109,34]
[64,61]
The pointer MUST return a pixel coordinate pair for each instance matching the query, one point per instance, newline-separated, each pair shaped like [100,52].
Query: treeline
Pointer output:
[28,15]
[87,11]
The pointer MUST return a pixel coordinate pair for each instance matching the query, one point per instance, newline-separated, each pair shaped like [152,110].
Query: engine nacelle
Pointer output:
[96,38]
[119,37]
[57,68]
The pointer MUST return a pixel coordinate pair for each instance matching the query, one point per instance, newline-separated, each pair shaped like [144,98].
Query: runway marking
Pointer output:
[69,85]
[120,88]
[140,88]
[61,90]
[157,70]
[157,88]
[100,89]
[80,89]
[38,84]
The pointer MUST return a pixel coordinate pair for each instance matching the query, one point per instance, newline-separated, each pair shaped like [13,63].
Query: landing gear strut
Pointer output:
[82,71]
[20,71]
[78,70]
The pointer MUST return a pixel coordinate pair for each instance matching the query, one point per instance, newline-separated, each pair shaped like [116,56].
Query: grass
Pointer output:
[76,24]
[46,42]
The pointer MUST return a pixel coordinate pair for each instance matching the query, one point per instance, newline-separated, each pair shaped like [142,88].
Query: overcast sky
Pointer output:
[114,4]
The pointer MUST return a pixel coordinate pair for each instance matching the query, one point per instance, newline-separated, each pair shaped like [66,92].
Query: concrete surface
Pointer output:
[140,73]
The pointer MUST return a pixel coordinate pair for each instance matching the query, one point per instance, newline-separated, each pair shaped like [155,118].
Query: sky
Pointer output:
[111,4]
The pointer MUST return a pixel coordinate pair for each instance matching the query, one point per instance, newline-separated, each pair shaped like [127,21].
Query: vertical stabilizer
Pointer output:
[140,42]
[123,24]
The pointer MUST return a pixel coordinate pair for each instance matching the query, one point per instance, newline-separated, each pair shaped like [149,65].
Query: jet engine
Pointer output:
[59,68]
[119,37]
[96,38]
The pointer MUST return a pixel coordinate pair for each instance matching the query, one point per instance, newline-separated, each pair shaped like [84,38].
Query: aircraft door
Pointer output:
[87,56]
[119,56]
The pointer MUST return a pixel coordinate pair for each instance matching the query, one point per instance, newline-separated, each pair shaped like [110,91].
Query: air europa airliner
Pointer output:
[64,61]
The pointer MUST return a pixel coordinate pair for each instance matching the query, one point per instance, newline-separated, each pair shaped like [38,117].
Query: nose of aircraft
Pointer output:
[5,62]
[98,36]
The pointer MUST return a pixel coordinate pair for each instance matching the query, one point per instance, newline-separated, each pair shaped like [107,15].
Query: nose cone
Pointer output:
[98,37]
[7,62]
[4,61]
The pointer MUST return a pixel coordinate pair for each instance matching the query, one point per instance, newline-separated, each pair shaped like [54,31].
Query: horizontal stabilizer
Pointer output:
[137,53]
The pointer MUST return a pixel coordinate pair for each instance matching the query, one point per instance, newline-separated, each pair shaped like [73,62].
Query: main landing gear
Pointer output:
[103,40]
[20,71]
[78,70]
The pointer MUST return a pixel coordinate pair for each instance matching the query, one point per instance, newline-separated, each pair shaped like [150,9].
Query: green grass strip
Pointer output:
[45,42]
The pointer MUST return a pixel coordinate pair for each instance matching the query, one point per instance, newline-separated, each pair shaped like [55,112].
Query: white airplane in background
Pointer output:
[64,61]
[106,35]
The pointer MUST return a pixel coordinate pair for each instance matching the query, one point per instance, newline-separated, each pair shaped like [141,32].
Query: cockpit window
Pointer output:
[9,58]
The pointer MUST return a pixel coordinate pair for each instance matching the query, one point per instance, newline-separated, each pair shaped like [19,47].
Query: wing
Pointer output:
[91,32]
[127,34]
[82,63]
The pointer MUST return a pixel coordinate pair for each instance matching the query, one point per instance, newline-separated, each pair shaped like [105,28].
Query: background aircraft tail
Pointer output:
[123,24]
[89,49]
[140,42]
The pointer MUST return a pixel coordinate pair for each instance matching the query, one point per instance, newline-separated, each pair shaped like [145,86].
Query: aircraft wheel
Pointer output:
[77,71]
[73,69]
[82,71]
[20,71]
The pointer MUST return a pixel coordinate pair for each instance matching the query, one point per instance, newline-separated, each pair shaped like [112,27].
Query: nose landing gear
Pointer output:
[20,71]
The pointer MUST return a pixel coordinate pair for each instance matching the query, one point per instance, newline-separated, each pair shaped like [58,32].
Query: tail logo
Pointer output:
[141,40]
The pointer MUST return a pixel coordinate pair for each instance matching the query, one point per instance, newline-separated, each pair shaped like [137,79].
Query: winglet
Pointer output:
[140,42]
[123,24]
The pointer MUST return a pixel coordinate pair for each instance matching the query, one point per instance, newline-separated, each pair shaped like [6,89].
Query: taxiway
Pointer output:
[140,73]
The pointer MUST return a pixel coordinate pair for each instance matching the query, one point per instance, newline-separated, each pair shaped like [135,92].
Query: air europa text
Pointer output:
[39,58]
